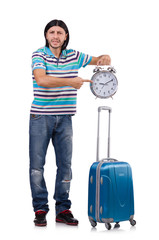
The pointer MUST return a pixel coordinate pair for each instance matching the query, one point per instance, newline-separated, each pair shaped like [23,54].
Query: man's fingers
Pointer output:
[85,80]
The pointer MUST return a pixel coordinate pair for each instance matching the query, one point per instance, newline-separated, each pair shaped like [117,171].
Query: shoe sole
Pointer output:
[61,221]
[40,225]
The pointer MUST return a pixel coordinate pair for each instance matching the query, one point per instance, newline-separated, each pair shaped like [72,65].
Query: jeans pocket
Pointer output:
[35,116]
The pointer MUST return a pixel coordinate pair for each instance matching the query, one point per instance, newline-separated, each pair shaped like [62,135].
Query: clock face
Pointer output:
[104,84]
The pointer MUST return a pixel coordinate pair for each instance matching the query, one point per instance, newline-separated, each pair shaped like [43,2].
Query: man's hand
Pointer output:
[77,82]
[101,60]
[104,60]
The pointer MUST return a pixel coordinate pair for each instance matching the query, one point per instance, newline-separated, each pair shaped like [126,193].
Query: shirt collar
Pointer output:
[48,51]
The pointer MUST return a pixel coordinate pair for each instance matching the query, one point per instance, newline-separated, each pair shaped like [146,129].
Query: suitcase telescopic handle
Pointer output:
[104,108]
[108,149]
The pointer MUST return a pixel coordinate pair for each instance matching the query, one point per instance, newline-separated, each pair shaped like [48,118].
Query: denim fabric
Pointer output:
[58,128]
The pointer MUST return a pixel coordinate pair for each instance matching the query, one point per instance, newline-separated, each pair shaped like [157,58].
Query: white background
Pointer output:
[128,32]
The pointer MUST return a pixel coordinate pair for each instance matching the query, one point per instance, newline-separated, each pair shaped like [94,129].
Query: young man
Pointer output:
[55,83]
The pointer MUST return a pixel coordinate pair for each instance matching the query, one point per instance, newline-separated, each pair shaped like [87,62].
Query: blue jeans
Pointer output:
[59,130]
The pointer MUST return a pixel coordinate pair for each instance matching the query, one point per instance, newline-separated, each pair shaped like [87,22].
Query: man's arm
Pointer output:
[45,80]
[101,60]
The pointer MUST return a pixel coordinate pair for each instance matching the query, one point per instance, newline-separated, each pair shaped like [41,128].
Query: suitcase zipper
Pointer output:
[98,191]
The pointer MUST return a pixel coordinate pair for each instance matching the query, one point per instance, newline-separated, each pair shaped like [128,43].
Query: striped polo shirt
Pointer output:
[56,100]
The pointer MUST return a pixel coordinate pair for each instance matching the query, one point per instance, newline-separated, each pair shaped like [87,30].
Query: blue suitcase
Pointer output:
[110,193]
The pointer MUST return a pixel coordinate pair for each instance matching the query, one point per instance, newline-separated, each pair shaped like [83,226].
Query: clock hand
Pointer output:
[106,82]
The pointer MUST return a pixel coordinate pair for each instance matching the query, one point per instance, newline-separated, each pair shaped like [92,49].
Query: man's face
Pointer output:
[56,37]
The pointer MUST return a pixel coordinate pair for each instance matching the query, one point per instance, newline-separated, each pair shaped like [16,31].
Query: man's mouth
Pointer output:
[54,41]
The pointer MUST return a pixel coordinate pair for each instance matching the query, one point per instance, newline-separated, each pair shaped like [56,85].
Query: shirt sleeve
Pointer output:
[38,61]
[84,59]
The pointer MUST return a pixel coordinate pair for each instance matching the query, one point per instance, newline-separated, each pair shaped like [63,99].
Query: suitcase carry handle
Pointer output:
[108,149]
[108,160]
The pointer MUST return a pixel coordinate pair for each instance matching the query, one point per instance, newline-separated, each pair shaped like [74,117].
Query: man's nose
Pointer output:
[55,35]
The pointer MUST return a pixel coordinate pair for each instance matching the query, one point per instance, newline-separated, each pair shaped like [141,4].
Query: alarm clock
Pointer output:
[104,83]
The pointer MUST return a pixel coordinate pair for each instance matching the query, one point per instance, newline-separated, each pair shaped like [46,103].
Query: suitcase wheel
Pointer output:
[93,223]
[108,226]
[132,222]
